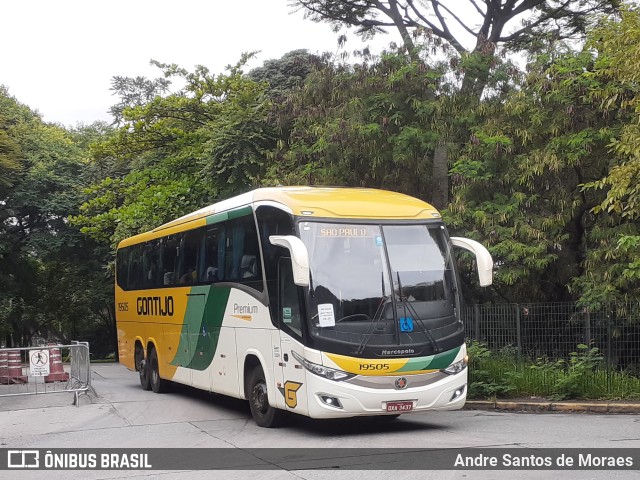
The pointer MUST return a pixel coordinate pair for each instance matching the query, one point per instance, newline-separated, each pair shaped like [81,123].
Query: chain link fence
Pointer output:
[554,330]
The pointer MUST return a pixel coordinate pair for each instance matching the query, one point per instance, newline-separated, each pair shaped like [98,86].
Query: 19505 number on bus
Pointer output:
[375,366]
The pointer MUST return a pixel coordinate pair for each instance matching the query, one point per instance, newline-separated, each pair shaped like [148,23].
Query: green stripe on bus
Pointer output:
[230,215]
[240,212]
[201,328]
[433,362]
[211,322]
[217,218]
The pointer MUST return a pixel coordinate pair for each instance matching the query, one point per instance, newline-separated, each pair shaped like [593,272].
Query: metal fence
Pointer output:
[554,330]
[45,369]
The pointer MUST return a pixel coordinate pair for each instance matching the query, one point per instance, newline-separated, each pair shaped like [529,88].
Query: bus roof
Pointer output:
[325,202]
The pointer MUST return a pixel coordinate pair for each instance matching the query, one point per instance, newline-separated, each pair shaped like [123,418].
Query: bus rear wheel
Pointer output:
[158,385]
[264,414]
[142,367]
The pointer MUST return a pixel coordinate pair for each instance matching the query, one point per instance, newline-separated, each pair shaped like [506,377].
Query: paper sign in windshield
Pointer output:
[326,317]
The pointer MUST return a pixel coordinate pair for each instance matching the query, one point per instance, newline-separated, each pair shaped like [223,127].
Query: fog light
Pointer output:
[458,393]
[331,401]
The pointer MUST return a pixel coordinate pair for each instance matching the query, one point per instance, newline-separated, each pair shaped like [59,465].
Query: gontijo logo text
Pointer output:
[155,306]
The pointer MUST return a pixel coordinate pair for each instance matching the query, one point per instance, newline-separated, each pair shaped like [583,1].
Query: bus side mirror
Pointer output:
[299,257]
[483,258]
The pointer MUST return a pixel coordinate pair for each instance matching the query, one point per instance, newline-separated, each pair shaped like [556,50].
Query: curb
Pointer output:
[581,407]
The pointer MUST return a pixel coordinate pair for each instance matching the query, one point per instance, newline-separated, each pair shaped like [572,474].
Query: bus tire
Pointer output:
[143,370]
[264,414]
[158,385]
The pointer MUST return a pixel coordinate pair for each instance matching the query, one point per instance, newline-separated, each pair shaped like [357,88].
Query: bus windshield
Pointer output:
[380,285]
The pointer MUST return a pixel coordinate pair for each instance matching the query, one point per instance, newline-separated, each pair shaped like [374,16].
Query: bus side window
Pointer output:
[243,253]
[122,268]
[136,269]
[189,258]
[209,272]
[272,221]
[288,299]
[151,262]
[169,259]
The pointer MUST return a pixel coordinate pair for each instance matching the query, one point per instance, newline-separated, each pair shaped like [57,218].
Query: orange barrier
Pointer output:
[14,368]
[56,369]
[4,368]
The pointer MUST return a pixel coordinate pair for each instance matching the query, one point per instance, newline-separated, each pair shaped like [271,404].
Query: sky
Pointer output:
[58,56]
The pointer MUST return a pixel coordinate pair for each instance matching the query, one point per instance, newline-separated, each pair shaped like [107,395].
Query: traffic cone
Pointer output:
[56,369]
[14,367]
[4,368]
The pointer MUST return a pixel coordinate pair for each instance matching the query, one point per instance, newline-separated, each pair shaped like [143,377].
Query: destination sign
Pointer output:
[344,232]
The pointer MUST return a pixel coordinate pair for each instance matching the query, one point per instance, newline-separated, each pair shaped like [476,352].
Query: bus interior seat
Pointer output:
[248,266]
[211,275]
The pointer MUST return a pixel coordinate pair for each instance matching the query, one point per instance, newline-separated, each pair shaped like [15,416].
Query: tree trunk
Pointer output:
[440,176]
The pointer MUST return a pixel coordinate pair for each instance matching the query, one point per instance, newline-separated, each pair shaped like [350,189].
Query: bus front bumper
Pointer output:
[363,396]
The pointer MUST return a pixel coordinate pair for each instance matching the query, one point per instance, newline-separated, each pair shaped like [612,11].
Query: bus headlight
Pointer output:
[455,367]
[321,371]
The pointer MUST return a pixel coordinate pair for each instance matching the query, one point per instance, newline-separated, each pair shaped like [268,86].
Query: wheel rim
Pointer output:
[259,397]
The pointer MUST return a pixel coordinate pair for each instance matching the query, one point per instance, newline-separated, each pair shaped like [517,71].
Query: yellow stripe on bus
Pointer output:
[375,367]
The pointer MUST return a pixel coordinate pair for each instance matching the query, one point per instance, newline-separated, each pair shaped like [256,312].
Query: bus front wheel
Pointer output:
[158,385]
[264,414]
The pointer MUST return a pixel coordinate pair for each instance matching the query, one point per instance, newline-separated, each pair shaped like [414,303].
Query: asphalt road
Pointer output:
[123,415]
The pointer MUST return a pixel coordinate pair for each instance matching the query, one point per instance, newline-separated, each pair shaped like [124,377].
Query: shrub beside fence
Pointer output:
[558,349]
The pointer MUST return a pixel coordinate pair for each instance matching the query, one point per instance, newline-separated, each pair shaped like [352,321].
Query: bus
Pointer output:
[326,302]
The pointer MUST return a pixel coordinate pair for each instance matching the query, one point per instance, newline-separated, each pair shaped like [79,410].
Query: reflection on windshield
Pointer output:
[379,284]
[417,259]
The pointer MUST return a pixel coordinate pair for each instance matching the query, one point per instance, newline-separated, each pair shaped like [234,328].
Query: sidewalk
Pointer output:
[543,405]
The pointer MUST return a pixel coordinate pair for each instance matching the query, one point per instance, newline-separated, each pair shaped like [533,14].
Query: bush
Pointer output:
[493,374]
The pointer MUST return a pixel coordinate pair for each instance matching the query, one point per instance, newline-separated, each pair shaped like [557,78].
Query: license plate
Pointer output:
[399,406]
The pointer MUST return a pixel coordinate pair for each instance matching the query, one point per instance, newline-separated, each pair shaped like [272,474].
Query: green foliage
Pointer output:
[177,152]
[286,74]
[11,117]
[618,54]
[581,363]
[362,125]
[518,184]
[543,167]
[489,379]
[498,374]
[52,281]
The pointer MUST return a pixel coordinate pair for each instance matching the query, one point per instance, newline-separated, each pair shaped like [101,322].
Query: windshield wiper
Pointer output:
[376,318]
[406,304]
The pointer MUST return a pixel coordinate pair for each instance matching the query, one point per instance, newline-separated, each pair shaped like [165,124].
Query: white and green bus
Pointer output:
[327,302]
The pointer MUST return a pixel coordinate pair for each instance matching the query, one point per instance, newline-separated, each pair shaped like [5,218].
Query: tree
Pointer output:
[51,282]
[518,185]
[618,53]
[361,125]
[178,152]
[286,74]
[9,148]
[497,24]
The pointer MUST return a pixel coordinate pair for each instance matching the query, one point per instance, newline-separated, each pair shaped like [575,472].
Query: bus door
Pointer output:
[292,388]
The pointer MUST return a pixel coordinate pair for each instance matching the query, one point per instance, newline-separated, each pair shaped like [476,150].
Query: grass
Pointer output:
[582,376]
